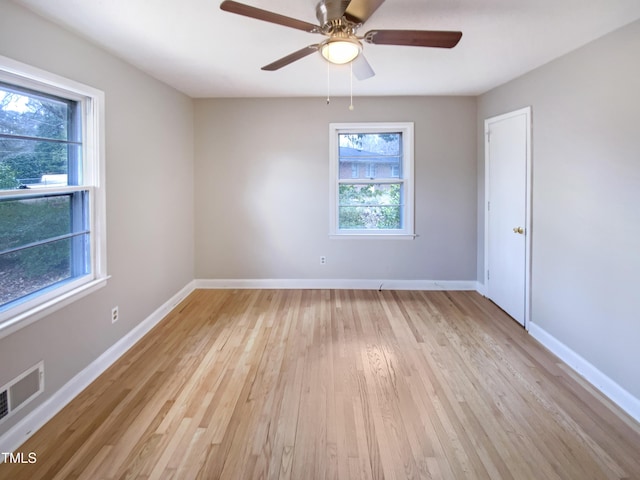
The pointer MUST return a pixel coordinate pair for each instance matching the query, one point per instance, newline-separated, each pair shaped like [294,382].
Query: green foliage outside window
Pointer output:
[369,206]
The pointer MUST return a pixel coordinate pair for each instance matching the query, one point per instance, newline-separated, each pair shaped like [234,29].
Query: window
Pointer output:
[52,219]
[379,202]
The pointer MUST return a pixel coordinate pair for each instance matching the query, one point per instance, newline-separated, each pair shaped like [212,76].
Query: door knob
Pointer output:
[519,230]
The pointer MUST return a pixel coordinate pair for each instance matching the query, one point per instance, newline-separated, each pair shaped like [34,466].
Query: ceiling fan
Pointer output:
[339,21]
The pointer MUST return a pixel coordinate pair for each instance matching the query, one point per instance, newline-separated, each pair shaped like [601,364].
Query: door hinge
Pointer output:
[488,206]
[488,276]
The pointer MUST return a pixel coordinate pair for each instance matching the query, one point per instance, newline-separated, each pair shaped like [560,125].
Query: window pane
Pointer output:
[32,254]
[370,155]
[376,206]
[30,270]
[377,143]
[37,163]
[43,240]
[370,218]
[29,220]
[33,115]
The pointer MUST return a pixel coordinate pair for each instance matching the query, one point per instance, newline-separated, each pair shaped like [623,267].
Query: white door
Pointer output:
[507,228]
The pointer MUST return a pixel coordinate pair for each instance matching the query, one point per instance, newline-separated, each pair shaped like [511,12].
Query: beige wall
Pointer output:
[262,190]
[586,199]
[149,165]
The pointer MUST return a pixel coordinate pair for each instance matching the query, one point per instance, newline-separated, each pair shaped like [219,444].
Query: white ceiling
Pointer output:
[204,52]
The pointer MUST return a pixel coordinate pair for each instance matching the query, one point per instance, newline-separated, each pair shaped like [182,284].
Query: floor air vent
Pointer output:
[4,404]
[21,390]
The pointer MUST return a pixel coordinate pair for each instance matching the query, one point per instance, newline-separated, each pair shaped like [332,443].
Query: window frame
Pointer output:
[407,179]
[91,104]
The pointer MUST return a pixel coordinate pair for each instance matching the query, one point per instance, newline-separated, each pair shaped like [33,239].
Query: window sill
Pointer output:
[34,314]
[372,236]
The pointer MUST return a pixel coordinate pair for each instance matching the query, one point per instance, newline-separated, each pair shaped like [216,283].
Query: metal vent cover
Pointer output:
[21,390]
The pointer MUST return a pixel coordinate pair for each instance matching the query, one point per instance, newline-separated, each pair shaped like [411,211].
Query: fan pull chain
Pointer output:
[351,85]
[328,82]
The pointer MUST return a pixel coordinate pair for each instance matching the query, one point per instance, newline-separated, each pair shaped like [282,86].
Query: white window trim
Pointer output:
[406,128]
[93,155]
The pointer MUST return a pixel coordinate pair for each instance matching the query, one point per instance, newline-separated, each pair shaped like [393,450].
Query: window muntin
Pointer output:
[378,200]
[52,235]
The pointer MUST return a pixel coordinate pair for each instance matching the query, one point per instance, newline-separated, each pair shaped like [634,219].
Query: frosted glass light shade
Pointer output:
[340,50]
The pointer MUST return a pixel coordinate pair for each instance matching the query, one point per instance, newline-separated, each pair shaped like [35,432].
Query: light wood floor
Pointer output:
[307,384]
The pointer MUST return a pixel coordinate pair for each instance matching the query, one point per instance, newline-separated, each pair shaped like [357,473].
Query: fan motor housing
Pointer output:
[328,10]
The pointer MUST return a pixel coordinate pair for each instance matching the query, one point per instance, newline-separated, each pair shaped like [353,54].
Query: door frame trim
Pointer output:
[526,111]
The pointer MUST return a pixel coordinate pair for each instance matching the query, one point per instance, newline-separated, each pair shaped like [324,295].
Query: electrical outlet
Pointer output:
[114,314]
[323,260]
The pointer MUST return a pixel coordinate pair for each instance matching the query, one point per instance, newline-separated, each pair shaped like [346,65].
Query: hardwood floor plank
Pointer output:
[290,384]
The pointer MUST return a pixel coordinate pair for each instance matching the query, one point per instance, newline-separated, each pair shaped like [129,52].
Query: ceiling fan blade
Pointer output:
[258,13]
[415,38]
[284,61]
[361,68]
[359,11]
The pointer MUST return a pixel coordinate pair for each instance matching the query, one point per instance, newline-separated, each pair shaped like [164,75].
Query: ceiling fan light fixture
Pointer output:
[340,50]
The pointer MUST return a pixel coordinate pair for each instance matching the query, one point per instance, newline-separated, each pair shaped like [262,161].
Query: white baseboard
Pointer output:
[321,283]
[26,427]
[595,377]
